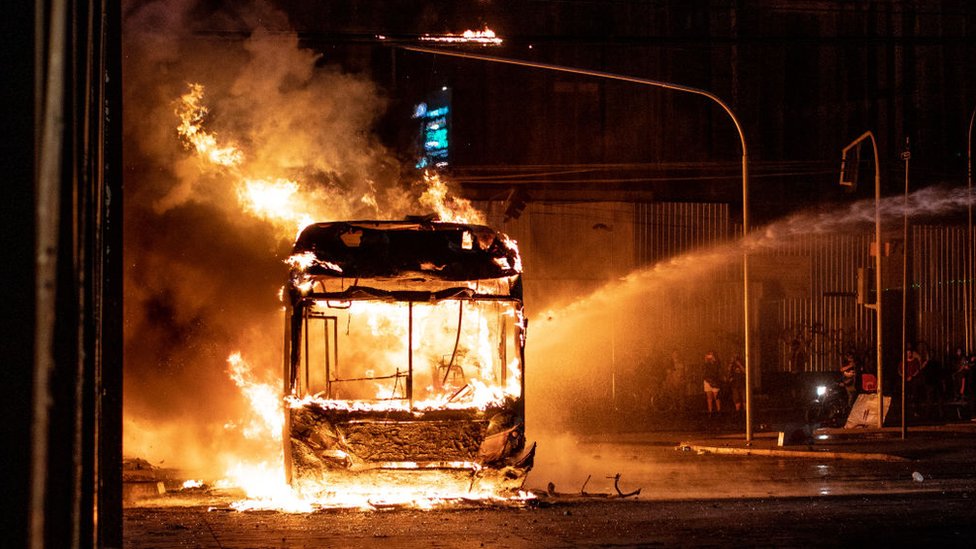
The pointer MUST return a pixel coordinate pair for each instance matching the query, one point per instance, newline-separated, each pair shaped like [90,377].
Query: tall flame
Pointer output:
[262,477]
[286,203]
[264,399]
[280,201]
[191,112]
[448,208]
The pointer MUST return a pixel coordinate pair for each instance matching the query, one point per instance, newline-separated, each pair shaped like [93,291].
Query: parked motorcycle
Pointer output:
[830,407]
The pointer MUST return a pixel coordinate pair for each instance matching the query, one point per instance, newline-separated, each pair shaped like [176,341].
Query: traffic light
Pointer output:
[515,203]
[849,163]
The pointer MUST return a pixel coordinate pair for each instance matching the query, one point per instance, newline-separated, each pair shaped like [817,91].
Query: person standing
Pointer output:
[737,382]
[912,369]
[848,377]
[711,379]
[960,377]
[674,382]
[965,378]
[954,373]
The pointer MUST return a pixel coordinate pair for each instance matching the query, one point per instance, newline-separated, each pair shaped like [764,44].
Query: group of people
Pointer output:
[928,381]
[718,382]
[721,382]
[930,384]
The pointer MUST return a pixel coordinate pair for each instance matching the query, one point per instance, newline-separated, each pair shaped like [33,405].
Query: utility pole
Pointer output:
[967,280]
[906,156]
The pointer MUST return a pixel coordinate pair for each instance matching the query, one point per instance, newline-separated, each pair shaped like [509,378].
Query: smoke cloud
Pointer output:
[202,276]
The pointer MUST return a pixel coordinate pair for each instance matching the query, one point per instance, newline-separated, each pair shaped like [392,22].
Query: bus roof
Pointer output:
[408,249]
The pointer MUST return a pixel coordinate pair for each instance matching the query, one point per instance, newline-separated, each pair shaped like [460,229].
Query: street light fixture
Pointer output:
[674,87]
[877,258]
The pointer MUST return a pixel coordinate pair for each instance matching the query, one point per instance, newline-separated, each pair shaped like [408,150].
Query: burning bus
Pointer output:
[404,350]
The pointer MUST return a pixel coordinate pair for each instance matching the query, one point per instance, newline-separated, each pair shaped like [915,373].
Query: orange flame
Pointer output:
[262,477]
[448,208]
[283,202]
[191,112]
[278,202]
[264,399]
[484,37]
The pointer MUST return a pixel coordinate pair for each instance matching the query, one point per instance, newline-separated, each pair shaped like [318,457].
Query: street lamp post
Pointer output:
[906,156]
[613,326]
[674,87]
[969,234]
[877,257]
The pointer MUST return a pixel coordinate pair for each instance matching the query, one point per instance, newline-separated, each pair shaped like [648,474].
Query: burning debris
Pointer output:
[140,480]
[486,37]
[620,494]
[405,345]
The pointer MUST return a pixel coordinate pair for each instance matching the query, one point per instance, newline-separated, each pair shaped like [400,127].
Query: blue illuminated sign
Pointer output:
[435,125]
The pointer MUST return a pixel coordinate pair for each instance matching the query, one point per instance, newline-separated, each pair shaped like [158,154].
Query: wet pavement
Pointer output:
[681,465]
[881,489]
[950,442]
[928,519]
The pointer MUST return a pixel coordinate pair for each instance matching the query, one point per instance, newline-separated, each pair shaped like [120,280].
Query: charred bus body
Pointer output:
[404,348]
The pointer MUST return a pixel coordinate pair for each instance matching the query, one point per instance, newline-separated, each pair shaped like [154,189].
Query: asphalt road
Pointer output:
[930,519]
[686,499]
[651,462]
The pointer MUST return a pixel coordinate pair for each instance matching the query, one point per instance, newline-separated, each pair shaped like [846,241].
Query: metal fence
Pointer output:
[667,229]
[812,330]
[940,284]
[807,313]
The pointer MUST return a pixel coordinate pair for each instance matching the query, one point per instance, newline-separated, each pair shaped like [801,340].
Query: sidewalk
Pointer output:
[954,442]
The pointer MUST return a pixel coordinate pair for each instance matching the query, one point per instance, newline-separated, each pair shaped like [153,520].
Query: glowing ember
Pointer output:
[306,260]
[190,484]
[484,37]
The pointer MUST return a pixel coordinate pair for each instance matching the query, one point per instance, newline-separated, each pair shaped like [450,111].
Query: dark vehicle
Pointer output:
[404,359]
